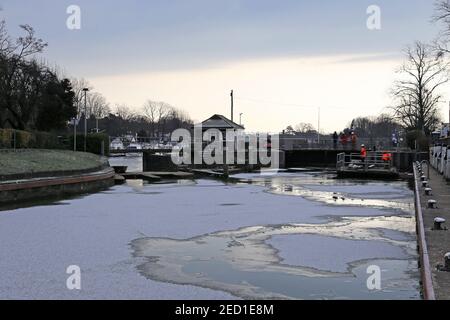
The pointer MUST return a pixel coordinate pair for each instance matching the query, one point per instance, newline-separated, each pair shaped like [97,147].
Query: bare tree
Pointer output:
[78,85]
[442,15]
[416,93]
[123,111]
[304,127]
[21,47]
[156,113]
[150,111]
[97,105]
[15,56]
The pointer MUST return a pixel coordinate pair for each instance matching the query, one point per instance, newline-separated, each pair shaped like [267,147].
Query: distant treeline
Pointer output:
[163,120]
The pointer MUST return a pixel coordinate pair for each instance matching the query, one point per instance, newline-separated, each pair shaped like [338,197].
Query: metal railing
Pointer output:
[298,143]
[373,161]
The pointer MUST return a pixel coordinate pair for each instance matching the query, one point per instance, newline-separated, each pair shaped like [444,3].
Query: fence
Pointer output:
[373,161]
[297,143]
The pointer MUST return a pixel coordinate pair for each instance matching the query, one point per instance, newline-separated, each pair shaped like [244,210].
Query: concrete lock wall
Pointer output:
[434,156]
[447,168]
[163,162]
[54,191]
[442,161]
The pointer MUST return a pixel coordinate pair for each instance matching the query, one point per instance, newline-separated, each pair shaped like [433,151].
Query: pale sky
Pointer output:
[284,59]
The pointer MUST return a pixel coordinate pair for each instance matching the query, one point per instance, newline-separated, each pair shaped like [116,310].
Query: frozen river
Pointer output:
[293,235]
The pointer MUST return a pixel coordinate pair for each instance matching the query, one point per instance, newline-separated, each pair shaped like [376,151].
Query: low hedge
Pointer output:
[10,138]
[43,140]
[93,143]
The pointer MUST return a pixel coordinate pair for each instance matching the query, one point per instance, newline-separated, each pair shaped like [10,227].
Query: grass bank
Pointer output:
[33,163]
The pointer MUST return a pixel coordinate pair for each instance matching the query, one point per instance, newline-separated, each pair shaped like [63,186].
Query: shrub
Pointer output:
[44,140]
[28,140]
[6,138]
[93,143]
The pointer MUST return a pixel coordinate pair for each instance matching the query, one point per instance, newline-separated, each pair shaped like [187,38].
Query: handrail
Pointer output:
[427,282]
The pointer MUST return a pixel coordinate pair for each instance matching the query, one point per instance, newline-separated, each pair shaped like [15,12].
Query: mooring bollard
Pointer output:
[438,222]
[447,261]
[423,178]
[428,191]
[425,184]
[446,266]
[432,204]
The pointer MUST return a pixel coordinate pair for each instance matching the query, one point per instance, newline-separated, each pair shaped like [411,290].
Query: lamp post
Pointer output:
[85,90]
[232,105]
[75,134]
[318,126]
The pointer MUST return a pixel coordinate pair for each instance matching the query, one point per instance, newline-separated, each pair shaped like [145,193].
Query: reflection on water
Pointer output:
[274,284]
[292,261]
[324,188]
[245,262]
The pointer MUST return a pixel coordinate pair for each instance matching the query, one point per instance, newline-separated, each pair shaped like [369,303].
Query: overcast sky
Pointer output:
[284,58]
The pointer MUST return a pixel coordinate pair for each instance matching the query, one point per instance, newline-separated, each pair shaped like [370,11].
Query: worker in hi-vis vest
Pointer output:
[363,153]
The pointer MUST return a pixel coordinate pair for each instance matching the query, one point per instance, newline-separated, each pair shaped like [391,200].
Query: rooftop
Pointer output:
[218,121]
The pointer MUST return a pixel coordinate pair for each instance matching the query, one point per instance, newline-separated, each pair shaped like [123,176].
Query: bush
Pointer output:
[24,140]
[419,137]
[93,143]
[6,138]
[44,140]
[28,140]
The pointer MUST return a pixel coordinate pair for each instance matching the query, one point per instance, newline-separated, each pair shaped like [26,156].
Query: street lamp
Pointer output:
[85,90]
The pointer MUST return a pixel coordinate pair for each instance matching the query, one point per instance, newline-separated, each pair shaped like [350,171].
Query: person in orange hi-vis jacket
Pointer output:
[387,157]
[363,153]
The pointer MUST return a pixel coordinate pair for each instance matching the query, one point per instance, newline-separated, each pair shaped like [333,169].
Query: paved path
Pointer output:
[438,241]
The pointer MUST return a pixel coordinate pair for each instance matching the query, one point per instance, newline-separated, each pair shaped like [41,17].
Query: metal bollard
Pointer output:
[438,222]
[447,261]
[428,191]
[424,184]
[432,204]
[423,178]
[446,266]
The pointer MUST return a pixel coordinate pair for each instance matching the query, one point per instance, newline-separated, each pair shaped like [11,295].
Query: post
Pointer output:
[75,134]
[318,127]
[85,118]
[14,137]
[85,121]
[232,105]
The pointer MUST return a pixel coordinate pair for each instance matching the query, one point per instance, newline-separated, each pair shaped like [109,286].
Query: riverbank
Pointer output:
[36,163]
[41,174]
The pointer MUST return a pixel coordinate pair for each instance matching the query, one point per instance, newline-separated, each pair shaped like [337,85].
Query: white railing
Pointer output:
[373,161]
